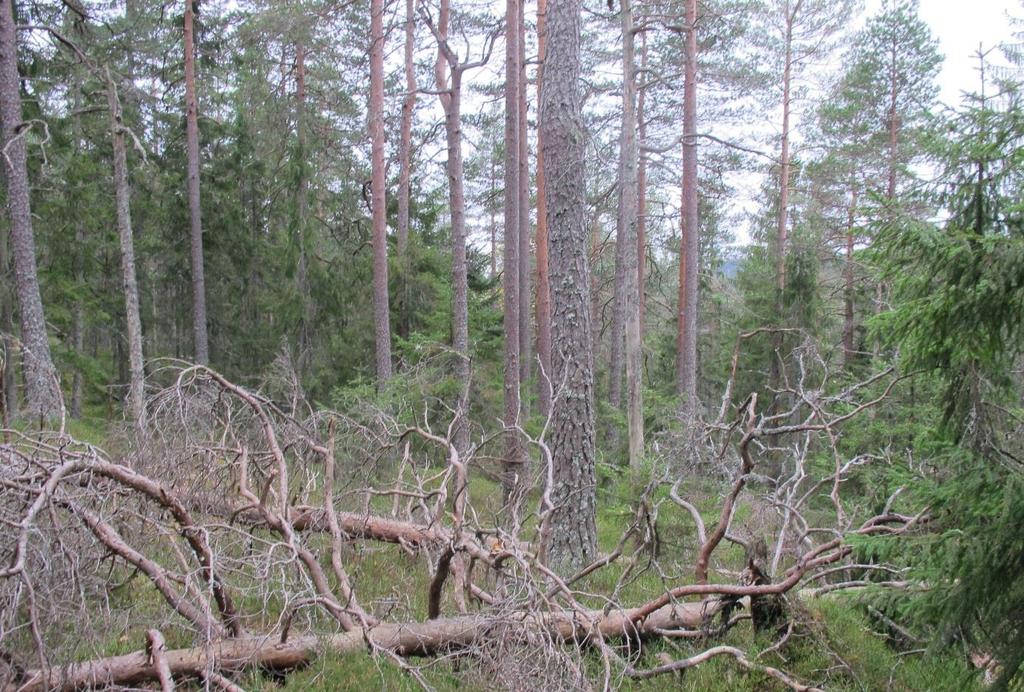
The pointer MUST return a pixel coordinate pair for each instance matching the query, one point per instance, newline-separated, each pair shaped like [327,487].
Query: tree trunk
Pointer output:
[641,189]
[849,351]
[525,338]
[8,376]
[405,639]
[41,384]
[451,101]
[133,323]
[78,310]
[200,341]
[302,214]
[381,305]
[782,219]
[405,163]
[570,538]
[686,364]
[618,316]
[627,213]
[545,382]
[514,467]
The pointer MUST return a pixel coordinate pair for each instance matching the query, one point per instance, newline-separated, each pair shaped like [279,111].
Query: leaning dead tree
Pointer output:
[248,531]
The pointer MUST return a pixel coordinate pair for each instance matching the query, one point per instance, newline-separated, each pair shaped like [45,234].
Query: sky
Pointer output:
[960,28]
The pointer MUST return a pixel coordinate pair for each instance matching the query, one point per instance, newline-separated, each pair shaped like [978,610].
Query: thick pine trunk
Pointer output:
[570,539]
[378,203]
[133,322]
[628,213]
[525,341]
[451,101]
[543,280]
[686,364]
[405,164]
[200,340]
[513,467]
[41,387]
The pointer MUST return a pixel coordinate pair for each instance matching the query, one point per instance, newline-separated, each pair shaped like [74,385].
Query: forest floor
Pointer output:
[836,645]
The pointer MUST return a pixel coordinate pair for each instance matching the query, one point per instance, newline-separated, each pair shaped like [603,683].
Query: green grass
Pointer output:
[837,647]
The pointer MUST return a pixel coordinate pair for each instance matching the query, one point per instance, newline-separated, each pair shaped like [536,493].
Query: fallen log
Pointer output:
[405,639]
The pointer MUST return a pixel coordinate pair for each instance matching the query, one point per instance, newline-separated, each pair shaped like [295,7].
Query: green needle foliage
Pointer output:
[958,286]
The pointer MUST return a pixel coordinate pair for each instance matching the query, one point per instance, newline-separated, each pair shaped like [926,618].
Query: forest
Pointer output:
[548,345]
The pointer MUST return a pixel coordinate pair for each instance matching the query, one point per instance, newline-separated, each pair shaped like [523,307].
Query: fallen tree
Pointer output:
[232,500]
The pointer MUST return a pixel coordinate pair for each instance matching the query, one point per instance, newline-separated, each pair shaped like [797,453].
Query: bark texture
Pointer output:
[129,285]
[782,218]
[543,302]
[405,165]
[525,341]
[627,214]
[302,213]
[200,340]
[451,100]
[513,467]
[686,364]
[381,304]
[571,539]
[40,377]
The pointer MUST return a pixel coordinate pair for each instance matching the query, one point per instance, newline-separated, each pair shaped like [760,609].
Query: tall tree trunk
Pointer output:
[78,309]
[570,535]
[514,459]
[8,376]
[494,215]
[849,352]
[133,323]
[200,341]
[405,162]
[525,341]
[451,101]
[381,304]
[686,364]
[628,213]
[641,189]
[618,327]
[545,382]
[782,219]
[302,214]
[41,384]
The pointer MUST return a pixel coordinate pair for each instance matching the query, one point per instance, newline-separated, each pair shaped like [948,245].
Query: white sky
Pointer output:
[960,28]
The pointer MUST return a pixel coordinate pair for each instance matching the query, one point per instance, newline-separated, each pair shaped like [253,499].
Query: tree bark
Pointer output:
[782,219]
[513,472]
[200,340]
[8,376]
[544,382]
[405,639]
[381,304]
[689,283]
[451,102]
[405,163]
[570,539]
[302,213]
[641,189]
[627,214]
[525,340]
[41,385]
[78,310]
[849,351]
[133,322]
